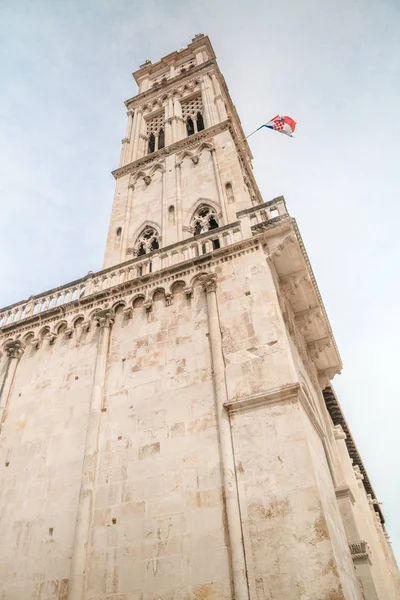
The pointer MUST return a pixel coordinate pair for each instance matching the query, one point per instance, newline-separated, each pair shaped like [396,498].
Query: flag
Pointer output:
[284,125]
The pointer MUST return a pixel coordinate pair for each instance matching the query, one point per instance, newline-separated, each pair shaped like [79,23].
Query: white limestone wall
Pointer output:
[185,179]
[159,529]
[41,452]
[256,349]
[384,573]
[294,536]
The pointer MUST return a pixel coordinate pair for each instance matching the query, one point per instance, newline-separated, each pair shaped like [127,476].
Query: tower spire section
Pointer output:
[182,130]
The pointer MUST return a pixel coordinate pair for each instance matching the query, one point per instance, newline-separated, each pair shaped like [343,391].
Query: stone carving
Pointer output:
[168,299]
[51,337]
[359,550]
[209,283]
[104,318]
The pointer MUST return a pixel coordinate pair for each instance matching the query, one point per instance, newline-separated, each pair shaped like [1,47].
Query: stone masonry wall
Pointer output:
[41,452]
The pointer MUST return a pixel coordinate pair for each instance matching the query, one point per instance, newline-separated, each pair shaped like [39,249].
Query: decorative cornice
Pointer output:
[343,491]
[184,143]
[159,91]
[285,393]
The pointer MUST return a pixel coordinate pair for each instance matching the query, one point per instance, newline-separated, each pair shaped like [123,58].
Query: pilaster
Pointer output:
[238,563]
[76,589]
[14,350]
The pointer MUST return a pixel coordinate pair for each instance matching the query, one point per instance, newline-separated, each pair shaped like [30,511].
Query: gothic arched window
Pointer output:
[192,113]
[199,122]
[155,133]
[146,242]
[204,220]
[152,143]
[161,140]
[190,126]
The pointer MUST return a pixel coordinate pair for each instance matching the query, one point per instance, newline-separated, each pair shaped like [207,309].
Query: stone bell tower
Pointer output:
[181,168]
[168,427]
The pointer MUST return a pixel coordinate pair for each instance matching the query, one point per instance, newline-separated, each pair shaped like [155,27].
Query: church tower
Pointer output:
[185,165]
[168,426]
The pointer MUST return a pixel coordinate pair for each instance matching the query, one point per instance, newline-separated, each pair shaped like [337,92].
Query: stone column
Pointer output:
[127,221]
[136,134]
[219,102]
[125,150]
[76,588]
[210,117]
[179,211]
[177,127]
[218,184]
[14,351]
[237,556]
[169,113]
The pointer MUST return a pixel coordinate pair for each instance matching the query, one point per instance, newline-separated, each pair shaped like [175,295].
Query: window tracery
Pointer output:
[192,113]
[155,133]
[205,219]
[147,241]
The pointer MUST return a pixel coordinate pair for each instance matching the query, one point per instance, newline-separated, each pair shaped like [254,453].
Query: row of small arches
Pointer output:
[157,140]
[138,300]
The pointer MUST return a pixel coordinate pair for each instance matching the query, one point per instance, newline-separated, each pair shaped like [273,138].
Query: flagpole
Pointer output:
[250,134]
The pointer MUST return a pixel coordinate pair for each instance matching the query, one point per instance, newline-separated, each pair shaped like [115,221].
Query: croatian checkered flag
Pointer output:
[285,125]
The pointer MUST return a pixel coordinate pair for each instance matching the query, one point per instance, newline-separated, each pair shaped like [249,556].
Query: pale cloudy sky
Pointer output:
[333,65]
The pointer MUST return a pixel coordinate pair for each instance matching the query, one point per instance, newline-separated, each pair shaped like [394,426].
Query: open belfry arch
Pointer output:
[168,426]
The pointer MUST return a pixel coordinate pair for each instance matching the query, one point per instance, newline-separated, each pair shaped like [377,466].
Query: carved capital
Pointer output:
[104,318]
[168,299]
[51,337]
[188,290]
[209,283]
[128,312]
[148,304]
[14,349]
[36,342]
[85,325]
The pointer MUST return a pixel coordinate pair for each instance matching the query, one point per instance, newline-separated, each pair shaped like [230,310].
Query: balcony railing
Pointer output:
[163,258]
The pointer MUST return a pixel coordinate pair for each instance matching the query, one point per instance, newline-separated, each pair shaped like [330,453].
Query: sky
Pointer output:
[333,65]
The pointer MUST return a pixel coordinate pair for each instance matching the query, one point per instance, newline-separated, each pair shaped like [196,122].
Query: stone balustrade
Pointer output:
[141,266]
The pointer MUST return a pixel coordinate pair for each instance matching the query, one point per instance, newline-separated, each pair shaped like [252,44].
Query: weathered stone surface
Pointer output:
[163,435]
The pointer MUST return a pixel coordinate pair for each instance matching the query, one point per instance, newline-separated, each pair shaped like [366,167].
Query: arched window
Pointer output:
[204,219]
[161,140]
[171,215]
[146,242]
[190,126]
[152,143]
[118,234]
[229,192]
[155,132]
[192,113]
[199,122]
